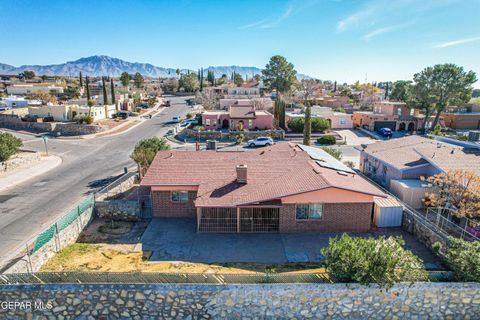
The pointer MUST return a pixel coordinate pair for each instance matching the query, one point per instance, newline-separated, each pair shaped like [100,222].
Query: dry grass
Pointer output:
[121,258]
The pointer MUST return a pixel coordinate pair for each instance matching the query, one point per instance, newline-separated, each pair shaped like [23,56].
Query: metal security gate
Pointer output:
[259,219]
[219,220]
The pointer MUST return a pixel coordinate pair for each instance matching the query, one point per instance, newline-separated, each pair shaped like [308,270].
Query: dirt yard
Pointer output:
[103,248]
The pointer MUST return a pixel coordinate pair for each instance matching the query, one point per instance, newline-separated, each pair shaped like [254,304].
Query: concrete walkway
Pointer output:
[20,175]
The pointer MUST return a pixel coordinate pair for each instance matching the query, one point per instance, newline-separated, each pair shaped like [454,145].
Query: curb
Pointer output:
[23,175]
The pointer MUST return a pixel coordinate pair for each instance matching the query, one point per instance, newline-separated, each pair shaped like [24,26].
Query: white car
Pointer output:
[260,142]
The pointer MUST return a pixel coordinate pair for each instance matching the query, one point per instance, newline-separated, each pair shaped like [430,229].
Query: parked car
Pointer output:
[176,119]
[260,142]
[385,132]
[189,102]
[122,115]
[166,104]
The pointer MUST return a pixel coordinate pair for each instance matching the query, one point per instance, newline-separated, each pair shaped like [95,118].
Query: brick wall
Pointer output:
[164,207]
[336,217]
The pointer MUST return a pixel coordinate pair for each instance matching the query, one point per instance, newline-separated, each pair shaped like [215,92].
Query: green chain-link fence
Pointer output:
[63,222]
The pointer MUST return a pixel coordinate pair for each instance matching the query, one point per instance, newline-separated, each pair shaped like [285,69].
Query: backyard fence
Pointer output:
[185,278]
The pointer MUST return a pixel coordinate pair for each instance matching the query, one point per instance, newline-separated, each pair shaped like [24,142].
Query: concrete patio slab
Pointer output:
[177,240]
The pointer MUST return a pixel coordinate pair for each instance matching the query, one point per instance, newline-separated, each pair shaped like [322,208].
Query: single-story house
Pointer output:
[28,89]
[337,120]
[71,112]
[238,115]
[409,158]
[282,188]
[462,120]
[264,103]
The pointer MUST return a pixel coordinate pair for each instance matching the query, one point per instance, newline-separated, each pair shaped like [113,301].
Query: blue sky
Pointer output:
[329,39]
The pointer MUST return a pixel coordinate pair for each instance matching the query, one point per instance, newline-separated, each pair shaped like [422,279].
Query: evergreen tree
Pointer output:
[81,79]
[125,78]
[335,86]
[307,131]
[87,84]
[112,91]
[138,80]
[105,96]
[201,79]
[386,91]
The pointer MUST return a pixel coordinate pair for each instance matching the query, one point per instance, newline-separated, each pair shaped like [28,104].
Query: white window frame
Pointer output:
[179,195]
[310,212]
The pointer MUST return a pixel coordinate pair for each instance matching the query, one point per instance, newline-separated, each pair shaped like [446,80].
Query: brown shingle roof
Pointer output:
[273,172]
[447,157]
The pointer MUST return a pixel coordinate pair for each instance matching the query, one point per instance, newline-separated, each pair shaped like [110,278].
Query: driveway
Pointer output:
[177,240]
[355,137]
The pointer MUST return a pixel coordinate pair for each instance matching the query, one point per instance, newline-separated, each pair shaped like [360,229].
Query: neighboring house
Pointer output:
[386,114]
[72,112]
[248,90]
[337,120]
[462,120]
[282,188]
[333,102]
[394,161]
[238,115]
[28,89]
[259,103]
[14,102]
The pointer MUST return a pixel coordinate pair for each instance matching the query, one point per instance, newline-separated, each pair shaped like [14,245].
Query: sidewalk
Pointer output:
[21,175]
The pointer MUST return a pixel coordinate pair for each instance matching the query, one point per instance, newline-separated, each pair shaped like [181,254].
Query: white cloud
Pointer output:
[456,42]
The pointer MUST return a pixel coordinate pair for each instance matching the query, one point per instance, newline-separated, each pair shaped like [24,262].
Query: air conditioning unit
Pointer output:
[474,135]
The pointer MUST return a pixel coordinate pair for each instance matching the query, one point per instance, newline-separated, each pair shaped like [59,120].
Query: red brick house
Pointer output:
[282,188]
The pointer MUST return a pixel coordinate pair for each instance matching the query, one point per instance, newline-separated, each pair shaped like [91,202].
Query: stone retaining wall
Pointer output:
[123,210]
[70,128]
[280,301]
[232,135]
[422,232]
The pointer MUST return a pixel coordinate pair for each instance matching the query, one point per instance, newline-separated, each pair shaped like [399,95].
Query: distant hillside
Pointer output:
[104,65]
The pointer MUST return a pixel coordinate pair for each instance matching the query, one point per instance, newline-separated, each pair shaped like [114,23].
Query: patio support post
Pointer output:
[238,220]
[199,217]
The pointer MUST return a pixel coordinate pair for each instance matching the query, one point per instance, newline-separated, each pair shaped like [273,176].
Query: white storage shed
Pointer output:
[388,212]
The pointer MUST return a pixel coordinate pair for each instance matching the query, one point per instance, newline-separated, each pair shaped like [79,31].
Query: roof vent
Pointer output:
[241,173]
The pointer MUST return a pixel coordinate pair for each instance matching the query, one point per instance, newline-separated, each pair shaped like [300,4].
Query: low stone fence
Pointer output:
[21,159]
[280,301]
[120,210]
[232,135]
[69,128]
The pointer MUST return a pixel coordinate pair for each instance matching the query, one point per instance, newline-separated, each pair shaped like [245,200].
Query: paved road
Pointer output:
[30,207]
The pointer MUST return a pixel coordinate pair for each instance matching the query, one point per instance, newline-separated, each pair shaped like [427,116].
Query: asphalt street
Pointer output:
[28,208]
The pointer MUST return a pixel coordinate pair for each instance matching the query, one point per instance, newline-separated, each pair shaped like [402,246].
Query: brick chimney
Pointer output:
[241,173]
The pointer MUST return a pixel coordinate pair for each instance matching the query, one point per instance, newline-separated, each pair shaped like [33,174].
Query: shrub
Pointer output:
[9,145]
[188,116]
[87,119]
[369,260]
[298,124]
[327,140]
[464,259]
[462,137]
[337,154]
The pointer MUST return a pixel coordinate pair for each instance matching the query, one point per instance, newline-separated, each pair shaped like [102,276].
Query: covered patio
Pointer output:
[263,219]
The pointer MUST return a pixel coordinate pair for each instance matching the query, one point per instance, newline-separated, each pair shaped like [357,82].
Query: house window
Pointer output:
[343,121]
[250,123]
[309,211]
[215,122]
[207,122]
[179,196]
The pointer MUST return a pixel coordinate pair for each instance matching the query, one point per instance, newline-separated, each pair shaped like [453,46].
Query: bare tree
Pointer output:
[308,89]
[207,98]
[262,103]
